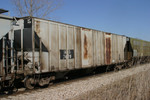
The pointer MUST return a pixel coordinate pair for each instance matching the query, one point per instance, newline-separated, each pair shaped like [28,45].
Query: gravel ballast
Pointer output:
[81,89]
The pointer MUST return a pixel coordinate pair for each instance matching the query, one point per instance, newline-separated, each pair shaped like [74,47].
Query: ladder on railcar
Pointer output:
[8,58]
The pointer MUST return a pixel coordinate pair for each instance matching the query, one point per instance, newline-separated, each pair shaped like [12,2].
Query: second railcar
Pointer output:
[141,48]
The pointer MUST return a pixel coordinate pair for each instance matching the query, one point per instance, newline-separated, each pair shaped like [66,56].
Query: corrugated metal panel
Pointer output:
[102,47]
[108,51]
[95,47]
[124,45]
[98,48]
[118,45]
[71,47]
[115,57]
[42,30]
[63,46]
[54,57]
[78,55]
[87,48]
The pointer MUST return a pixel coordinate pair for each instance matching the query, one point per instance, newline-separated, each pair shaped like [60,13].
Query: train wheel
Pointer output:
[44,82]
[117,68]
[29,83]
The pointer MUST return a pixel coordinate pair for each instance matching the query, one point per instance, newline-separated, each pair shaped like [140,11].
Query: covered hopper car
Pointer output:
[36,51]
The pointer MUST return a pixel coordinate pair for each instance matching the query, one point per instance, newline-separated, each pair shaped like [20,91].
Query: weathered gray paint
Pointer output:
[5,25]
[89,46]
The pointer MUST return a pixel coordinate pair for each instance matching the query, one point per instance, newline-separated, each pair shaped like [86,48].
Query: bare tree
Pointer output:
[36,8]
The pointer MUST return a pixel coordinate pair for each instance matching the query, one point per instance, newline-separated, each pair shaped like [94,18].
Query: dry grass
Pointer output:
[135,87]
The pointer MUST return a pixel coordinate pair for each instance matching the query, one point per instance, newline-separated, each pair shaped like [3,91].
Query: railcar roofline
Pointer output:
[68,24]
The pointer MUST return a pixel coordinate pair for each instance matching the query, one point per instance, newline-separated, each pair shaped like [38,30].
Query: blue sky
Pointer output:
[124,17]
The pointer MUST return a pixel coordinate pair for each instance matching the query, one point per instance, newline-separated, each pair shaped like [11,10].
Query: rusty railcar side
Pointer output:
[46,49]
[63,43]
[72,47]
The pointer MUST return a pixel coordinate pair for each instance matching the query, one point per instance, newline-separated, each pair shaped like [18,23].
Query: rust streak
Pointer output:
[108,50]
[85,47]
[86,29]
[38,27]
[108,33]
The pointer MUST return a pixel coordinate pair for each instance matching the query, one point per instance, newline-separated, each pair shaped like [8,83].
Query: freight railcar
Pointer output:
[141,50]
[5,27]
[38,50]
